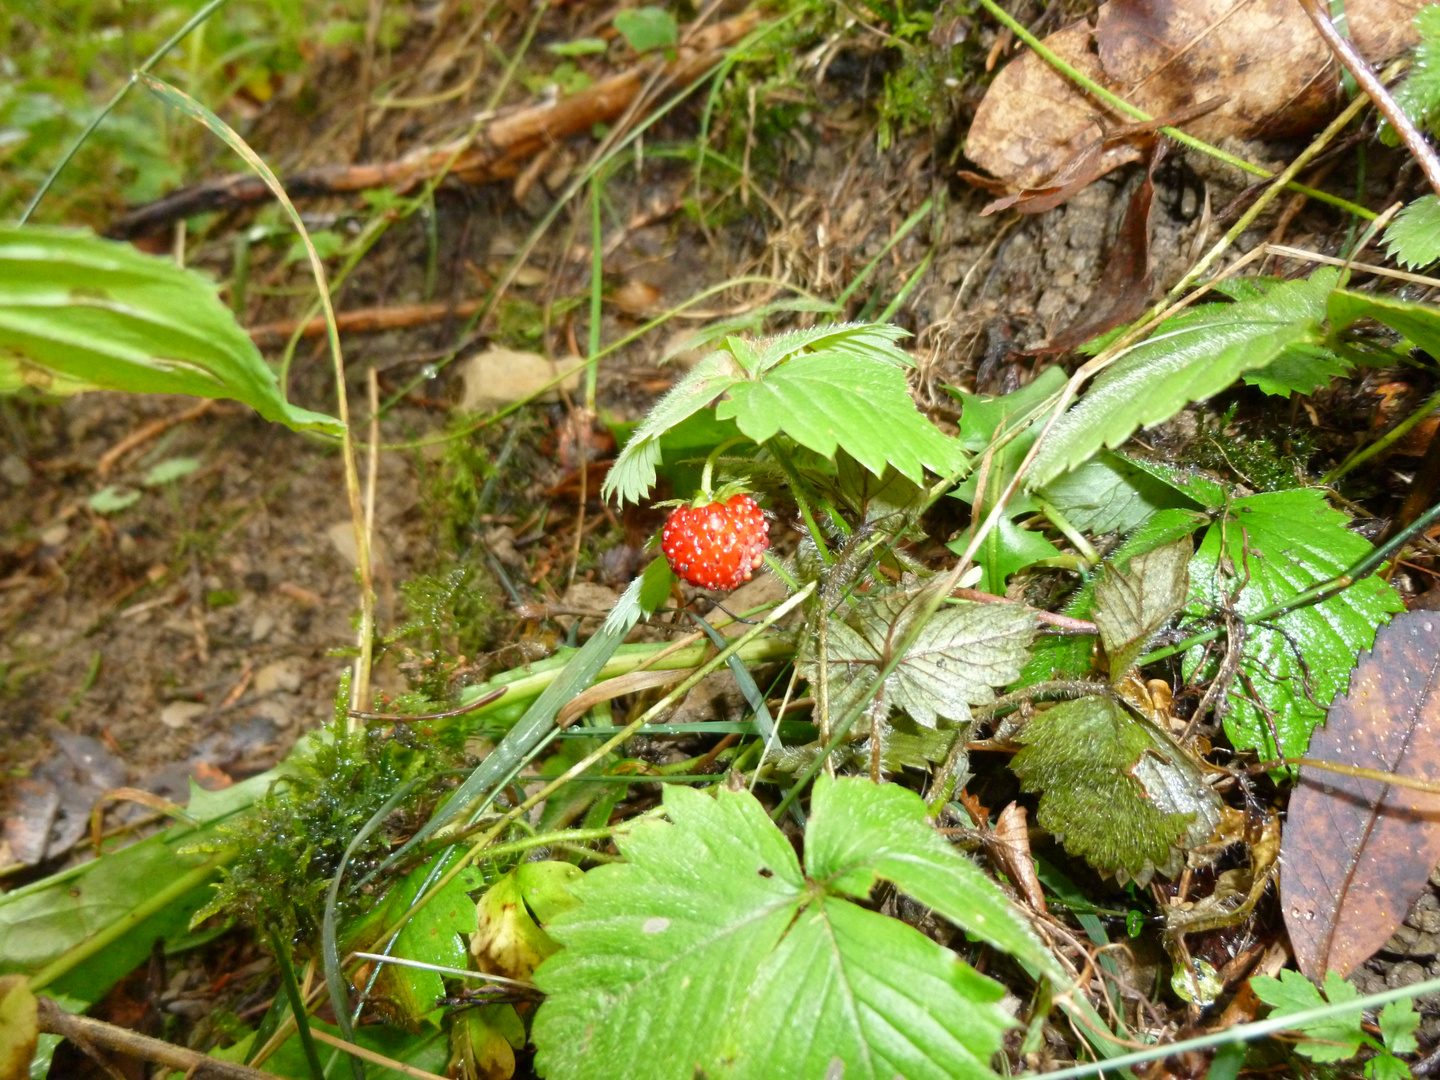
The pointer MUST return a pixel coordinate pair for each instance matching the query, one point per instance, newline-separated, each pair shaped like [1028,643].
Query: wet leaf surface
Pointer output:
[1356,853]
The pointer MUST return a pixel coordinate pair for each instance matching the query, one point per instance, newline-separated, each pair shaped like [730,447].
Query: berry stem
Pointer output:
[710,464]
[797,489]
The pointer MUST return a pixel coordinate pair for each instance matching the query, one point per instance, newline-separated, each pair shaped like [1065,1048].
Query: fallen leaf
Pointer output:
[19,1027]
[497,377]
[1356,853]
[635,297]
[1262,57]
[1010,845]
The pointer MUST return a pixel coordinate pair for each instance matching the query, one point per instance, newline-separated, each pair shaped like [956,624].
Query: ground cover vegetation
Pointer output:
[791,611]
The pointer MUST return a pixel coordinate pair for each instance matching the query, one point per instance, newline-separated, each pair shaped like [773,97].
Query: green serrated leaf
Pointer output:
[1413,238]
[826,400]
[432,935]
[1293,993]
[633,473]
[1131,605]
[1007,549]
[1114,790]
[710,950]
[647,28]
[1272,546]
[868,341]
[872,497]
[1301,369]
[1398,1023]
[961,653]
[1110,493]
[1187,359]
[1418,322]
[76,310]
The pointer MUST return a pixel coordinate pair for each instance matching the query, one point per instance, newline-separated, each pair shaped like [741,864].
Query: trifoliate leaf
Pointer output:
[1419,94]
[1188,358]
[1413,238]
[961,653]
[1293,993]
[633,473]
[1114,790]
[1130,606]
[831,399]
[709,950]
[1271,547]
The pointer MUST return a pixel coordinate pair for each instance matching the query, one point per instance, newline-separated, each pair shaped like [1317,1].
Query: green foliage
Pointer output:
[1188,358]
[1419,94]
[1114,790]
[1264,549]
[829,388]
[1265,463]
[961,652]
[647,28]
[1413,238]
[290,844]
[451,614]
[711,924]
[1338,1038]
[78,312]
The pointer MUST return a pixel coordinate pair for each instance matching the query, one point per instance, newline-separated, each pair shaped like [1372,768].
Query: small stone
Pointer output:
[261,627]
[282,676]
[179,714]
[55,535]
[14,470]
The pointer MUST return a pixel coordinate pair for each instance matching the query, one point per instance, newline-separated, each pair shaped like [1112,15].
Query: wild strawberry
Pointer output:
[718,544]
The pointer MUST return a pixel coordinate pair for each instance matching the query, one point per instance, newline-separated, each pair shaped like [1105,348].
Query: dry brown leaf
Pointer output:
[1010,844]
[1356,853]
[1165,56]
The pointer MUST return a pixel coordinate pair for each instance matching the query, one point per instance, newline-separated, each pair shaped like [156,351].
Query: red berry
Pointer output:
[718,545]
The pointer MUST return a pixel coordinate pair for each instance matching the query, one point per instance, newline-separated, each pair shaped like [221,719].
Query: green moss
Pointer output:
[1276,461]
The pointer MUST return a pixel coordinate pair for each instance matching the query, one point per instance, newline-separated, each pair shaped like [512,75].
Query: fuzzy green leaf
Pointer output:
[709,950]
[1130,606]
[1187,359]
[1276,545]
[1114,790]
[961,653]
[868,341]
[826,400]
[1413,238]
[633,473]
[80,312]
[1293,993]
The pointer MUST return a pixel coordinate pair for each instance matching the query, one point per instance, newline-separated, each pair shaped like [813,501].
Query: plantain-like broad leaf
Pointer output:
[81,313]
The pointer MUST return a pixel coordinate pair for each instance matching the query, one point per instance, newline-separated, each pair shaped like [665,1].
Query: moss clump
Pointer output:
[291,844]
[1265,462]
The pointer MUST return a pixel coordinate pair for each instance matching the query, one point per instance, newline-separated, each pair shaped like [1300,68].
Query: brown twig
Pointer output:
[152,430]
[366,320]
[498,151]
[1374,89]
[87,1032]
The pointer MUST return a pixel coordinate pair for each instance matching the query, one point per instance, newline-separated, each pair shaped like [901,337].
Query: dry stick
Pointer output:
[1415,782]
[366,320]
[83,1030]
[1306,255]
[1375,90]
[149,431]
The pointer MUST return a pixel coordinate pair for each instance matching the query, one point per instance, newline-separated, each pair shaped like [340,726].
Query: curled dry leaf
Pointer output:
[1165,57]
[1356,853]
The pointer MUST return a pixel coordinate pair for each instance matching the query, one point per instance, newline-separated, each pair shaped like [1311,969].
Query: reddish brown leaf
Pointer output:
[1356,853]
